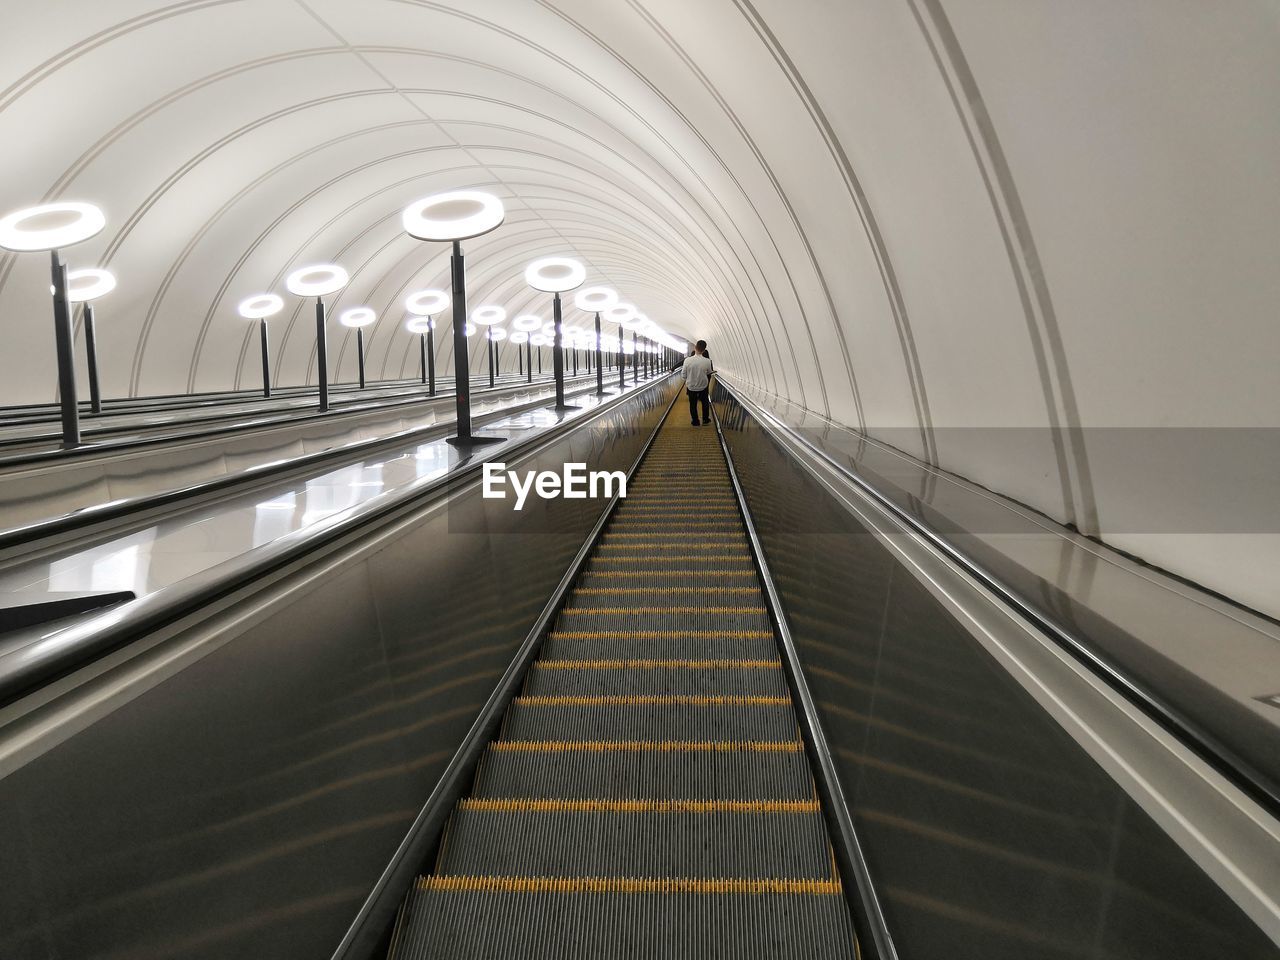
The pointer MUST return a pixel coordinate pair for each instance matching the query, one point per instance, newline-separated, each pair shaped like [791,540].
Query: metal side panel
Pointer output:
[235,786]
[997,817]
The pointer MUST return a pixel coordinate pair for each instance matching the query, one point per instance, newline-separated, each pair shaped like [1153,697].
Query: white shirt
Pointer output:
[697,372]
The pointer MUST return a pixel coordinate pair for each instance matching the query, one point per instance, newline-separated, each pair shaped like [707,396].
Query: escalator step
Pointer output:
[572,843]
[454,917]
[651,718]
[740,615]
[649,793]
[635,677]
[646,775]
[742,645]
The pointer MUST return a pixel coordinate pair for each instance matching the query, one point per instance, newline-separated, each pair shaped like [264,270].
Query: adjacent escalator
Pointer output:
[648,793]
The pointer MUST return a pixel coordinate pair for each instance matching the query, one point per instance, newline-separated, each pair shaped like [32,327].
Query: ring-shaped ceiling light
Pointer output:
[555,274]
[468,329]
[457,215]
[260,307]
[497,333]
[549,327]
[50,226]
[540,340]
[595,299]
[519,336]
[419,324]
[426,303]
[488,315]
[619,313]
[86,285]
[317,281]
[357,317]
[527,322]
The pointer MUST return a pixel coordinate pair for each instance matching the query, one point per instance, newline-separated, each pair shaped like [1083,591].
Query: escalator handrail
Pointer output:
[864,900]
[32,658]
[16,538]
[1208,747]
[364,935]
[265,420]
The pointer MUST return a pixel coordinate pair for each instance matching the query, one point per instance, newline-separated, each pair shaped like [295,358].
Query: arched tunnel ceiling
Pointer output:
[919,218]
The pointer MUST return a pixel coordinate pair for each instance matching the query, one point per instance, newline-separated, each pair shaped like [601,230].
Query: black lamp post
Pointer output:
[452,218]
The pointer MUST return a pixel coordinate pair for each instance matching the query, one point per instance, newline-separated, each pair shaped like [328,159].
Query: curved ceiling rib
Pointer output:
[906,216]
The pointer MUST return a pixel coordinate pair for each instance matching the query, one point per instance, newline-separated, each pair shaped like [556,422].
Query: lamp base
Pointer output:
[475,440]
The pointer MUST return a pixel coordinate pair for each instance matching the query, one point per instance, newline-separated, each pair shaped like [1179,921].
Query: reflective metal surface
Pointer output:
[93,478]
[1214,663]
[235,790]
[988,830]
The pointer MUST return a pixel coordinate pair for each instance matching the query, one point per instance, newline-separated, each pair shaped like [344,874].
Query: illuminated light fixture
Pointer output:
[595,299]
[527,322]
[458,215]
[488,315]
[357,317]
[425,327]
[426,303]
[619,313]
[469,329]
[86,285]
[451,218]
[51,226]
[497,333]
[317,281]
[555,274]
[539,340]
[259,308]
[519,336]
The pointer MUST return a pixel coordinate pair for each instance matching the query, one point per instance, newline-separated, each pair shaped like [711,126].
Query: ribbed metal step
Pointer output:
[653,774]
[648,794]
[487,838]
[634,677]
[449,917]
[661,717]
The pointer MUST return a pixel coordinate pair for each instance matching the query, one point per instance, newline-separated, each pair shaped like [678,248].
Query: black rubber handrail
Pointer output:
[863,899]
[28,413]
[17,538]
[245,420]
[264,421]
[364,939]
[1207,746]
[32,658]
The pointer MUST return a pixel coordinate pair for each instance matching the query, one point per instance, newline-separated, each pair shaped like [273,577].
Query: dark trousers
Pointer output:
[694,397]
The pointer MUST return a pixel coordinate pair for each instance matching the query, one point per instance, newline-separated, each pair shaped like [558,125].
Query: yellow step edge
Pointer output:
[538,805]
[638,611]
[666,885]
[612,533]
[646,746]
[618,591]
[661,634]
[641,664]
[749,572]
[744,558]
[654,700]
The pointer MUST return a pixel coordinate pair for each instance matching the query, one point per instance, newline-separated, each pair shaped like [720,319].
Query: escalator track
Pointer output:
[648,793]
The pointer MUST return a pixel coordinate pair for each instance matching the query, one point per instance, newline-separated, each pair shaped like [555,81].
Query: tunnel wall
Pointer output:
[934,220]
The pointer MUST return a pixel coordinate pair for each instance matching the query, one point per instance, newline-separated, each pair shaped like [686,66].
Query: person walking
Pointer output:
[696,372]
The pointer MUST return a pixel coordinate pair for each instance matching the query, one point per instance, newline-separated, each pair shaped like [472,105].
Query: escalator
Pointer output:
[648,793]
